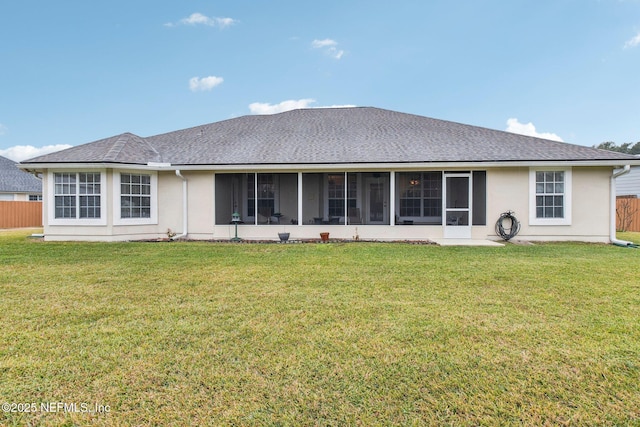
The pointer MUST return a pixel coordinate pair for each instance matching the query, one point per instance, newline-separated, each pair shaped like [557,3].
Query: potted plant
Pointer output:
[284,237]
[324,237]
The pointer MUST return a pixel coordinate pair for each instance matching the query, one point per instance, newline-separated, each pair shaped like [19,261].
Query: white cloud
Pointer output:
[265,108]
[200,19]
[22,152]
[514,126]
[319,44]
[329,47]
[204,83]
[632,42]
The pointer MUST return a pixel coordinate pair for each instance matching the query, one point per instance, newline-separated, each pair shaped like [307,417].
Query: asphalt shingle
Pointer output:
[327,136]
[13,180]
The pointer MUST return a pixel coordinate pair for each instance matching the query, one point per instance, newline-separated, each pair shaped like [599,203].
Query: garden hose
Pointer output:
[511,231]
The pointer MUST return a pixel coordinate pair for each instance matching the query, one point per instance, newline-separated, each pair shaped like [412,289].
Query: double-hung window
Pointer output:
[550,196]
[136,198]
[135,195]
[77,196]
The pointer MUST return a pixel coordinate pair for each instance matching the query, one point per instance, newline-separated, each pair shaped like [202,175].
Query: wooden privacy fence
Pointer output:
[627,214]
[20,214]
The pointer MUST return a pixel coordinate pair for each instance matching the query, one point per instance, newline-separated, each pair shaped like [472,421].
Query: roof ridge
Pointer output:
[122,141]
[117,147]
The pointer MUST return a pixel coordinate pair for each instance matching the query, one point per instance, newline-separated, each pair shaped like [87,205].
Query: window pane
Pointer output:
[65,206]
[135,192]
[550,190]
[558,201]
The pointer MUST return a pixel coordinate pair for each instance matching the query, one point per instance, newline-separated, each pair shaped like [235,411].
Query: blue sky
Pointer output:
[75,71]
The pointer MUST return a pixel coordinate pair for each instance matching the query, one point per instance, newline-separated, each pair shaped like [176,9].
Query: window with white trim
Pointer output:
[550,198]
[550,194]
[135,195]
[77,195]
[135,200]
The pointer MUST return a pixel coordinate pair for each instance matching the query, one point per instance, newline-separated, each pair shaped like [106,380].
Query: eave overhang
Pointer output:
[302,167]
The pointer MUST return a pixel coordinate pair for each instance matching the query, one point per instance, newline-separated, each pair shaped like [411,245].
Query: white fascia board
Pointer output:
[76,166]
[334,166]
[401,166]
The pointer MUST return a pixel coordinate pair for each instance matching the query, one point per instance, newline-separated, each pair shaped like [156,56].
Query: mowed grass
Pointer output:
[320,334]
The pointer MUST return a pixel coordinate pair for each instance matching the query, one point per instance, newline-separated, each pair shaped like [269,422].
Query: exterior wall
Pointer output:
[15,197]
[201,204]
[629,184]
[507,189]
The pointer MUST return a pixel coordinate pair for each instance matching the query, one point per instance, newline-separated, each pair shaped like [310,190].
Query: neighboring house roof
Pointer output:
[13,180]
[327,136]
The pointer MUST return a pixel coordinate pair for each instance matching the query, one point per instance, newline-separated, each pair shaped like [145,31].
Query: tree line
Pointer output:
[628,148]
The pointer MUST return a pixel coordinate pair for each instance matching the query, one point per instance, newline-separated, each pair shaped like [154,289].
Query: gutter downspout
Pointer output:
[612,215]
[185,210]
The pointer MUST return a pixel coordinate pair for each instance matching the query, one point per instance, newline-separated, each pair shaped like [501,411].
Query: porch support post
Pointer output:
[346,197]
[392,198]
[300,198]
[214,200]
[255,198]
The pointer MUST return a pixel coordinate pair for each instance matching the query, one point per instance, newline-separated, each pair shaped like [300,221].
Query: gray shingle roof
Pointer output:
[331,135]
[13,180]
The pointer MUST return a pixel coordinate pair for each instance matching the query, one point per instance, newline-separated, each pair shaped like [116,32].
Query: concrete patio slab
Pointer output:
[466,242]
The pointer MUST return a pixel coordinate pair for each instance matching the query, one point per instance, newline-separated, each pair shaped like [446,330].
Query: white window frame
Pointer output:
[153,218]
[51,211]
[533,219]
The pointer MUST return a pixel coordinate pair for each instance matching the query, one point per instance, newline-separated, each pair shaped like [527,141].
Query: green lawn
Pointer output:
[319,334]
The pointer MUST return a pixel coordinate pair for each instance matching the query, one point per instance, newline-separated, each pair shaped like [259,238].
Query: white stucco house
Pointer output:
[363,171]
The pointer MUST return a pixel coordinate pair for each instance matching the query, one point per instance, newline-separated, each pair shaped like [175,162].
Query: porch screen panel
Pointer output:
[261,196]
[335,199]
[410,194]
[266,194]
[432,193]
[420,196]
[479,198]
[352,190]
[313,202]
[251,195]
[228,193]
